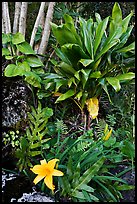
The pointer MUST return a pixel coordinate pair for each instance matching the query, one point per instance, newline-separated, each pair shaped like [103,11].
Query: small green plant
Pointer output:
[93,58]
[12,138]
[23,61]
[34,142]
[87,163]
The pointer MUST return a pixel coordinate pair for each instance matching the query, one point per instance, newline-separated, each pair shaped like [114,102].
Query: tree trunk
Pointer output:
[16,16]
[23,15]
[6,18]
[40,14]
[46,33]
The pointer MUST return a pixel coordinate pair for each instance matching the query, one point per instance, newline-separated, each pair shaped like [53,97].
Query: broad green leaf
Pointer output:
[18,38]
[33,79]
[127,48]
[6,38]
[65,33]
[89,174]
[114,82]
[124,38]
[99,33]
[34,61]
[25,48]
[86,62]
[126,76]
[78,194]
[9,57]
[86,32]
[95,75]
[12,70]
[24,67]
[98,17]
[52,76]
[67,68]
[86,188]
[61,55]
[5,51]
[85,76]
[110,42]
[74,53]
[125,21]
[116,18]
[66,95]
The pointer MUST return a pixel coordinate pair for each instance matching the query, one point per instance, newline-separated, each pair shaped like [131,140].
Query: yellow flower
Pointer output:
[46,171]
[92,106]
[108,135]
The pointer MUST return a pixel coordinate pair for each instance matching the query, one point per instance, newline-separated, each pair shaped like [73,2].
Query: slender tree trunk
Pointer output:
[6,18]
[40,14]
[46,33]
[23,15]
[16,16]
[3,28]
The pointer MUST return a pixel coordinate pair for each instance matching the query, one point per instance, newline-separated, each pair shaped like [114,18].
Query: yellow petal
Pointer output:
[39,169]
[92,106]
[49,182]
[38,178]
[43,162]
[57,173]
[108,135]
[51,163]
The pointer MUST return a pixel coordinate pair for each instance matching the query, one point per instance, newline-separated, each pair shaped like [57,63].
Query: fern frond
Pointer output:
[61,127]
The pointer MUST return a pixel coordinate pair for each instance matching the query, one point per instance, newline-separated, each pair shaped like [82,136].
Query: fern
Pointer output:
[99,128]
[34,141]
[61,127]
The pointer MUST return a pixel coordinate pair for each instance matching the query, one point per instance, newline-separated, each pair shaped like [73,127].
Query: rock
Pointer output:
[34,197]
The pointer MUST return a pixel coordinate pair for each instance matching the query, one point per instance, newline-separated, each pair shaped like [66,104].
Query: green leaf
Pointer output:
[125,21]
[9,57]
[34,61]
[127,76]
[114,82]
[6,38]
[74,53]
[17,38]
[25,48]
[33,79]
[99,33]
[78,194]
[66,95]
[89,174]
[24,67]
[127,48]
[86,188]
[125,187]
[12,70]
[116,18]
[67,68]
[110,142]
[95,75]
[86,62]
[128,149]
[86,32]
[5,51]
